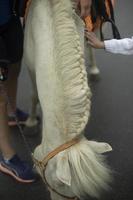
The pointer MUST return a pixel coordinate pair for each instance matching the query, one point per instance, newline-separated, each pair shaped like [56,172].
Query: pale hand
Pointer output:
[94,41]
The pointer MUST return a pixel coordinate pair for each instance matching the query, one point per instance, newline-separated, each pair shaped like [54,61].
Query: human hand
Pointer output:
[93,40]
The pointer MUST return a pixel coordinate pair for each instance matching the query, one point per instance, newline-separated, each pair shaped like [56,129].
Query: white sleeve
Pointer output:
[122,46]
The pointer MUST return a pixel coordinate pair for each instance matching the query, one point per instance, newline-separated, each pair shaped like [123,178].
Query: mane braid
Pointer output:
[70,69]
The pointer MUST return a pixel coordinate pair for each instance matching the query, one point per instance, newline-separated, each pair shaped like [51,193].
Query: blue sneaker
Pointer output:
[21,115]
[19,170]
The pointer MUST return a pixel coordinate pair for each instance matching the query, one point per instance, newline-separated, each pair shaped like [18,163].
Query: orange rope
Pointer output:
[59,149]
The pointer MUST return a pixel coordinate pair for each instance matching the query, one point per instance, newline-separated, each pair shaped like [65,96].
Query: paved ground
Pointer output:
[111,120]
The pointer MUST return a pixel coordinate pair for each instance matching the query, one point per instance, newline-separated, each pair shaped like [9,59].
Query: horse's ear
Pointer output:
[63,172]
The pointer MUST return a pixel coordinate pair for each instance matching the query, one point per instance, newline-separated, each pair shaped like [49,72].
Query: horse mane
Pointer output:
[81,168]
[70,67]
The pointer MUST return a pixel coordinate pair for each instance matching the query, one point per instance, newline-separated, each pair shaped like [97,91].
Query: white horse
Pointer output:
[89,58]
[53,52]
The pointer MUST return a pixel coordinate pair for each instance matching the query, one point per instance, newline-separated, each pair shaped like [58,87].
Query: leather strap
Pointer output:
[43,163]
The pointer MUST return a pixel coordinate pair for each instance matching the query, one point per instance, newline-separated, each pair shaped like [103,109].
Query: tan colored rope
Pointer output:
[43,163]
[53,153]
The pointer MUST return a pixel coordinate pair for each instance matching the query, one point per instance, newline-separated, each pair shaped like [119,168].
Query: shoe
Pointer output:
[19,170]
[21,116]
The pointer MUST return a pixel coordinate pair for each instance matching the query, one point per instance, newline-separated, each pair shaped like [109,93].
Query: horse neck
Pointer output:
[65,95]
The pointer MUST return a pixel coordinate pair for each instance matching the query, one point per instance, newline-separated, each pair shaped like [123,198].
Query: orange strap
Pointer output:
[59,149]
[43,164]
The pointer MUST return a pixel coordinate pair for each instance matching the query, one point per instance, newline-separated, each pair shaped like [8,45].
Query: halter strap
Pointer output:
[43,163]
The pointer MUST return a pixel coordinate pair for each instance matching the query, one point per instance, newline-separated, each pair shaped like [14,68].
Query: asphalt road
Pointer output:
[111,120]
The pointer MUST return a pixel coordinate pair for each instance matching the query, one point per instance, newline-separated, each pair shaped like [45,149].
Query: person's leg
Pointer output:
[5,143]
[11,86]
[10,163]
[13,38]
